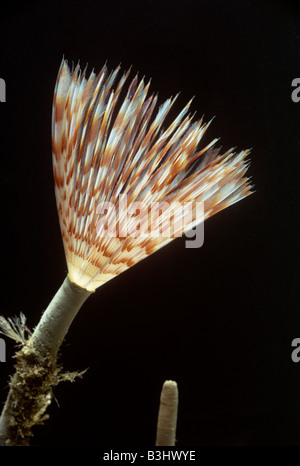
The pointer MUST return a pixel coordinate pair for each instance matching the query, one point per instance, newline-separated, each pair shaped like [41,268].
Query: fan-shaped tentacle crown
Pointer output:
[125,186]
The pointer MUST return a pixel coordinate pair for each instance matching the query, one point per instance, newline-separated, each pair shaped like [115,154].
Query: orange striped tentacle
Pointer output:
[109,144]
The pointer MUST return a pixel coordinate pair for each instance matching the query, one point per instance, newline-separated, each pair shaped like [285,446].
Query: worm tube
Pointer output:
[36,369]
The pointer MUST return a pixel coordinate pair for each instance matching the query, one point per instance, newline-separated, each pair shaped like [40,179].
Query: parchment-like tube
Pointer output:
[56,320]
[36,370]
[167,416]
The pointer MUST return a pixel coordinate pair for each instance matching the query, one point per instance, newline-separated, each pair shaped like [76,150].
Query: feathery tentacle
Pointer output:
[107,150]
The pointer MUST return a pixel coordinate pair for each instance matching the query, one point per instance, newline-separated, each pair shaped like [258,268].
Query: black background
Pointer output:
[220,319]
